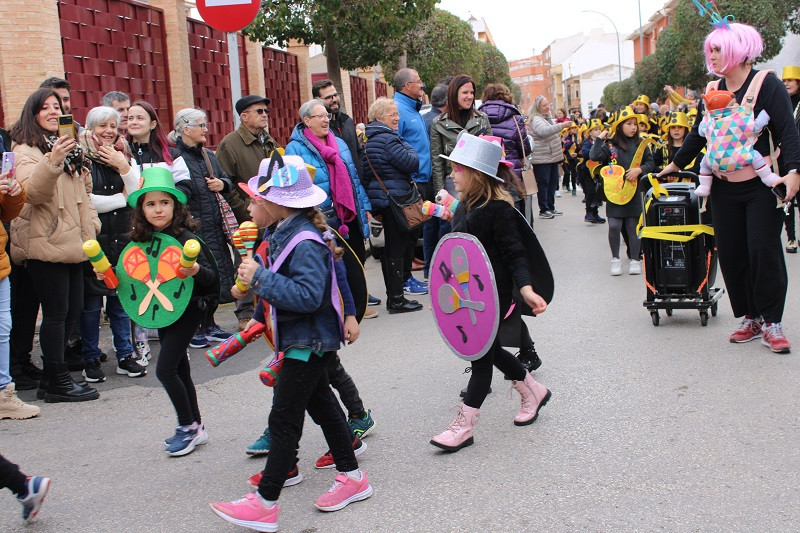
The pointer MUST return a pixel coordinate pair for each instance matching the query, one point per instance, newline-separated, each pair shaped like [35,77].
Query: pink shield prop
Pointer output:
[464,295]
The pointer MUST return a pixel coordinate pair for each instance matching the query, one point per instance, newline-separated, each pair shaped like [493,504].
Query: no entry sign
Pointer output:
[228,15]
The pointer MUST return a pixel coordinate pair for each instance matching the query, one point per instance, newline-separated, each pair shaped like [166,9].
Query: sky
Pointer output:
[520,26]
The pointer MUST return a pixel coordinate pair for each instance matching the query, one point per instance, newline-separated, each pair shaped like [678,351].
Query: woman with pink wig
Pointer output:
[747,218]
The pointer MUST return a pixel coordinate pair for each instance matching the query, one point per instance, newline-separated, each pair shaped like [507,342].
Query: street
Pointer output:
[649,428]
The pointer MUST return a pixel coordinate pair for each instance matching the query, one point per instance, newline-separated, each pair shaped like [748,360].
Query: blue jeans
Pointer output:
[5,331]
[90,327]
[547,181]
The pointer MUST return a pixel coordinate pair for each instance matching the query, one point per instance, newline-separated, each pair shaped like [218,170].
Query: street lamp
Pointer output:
[641,34]
[619,49]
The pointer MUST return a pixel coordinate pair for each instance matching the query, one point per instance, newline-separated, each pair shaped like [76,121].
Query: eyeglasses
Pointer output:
[202,126]
[260,111]
[422,85]
[321,115]
[331,96]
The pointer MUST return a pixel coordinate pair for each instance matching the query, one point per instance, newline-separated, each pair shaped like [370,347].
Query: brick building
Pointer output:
[532,74]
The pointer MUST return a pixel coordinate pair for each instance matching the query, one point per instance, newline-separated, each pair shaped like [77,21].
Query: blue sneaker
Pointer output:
[260,446]
[37,490]
[214,333]
[185,440]
[373,300]
[361,426]
[413,286]
[199,341]
[202,429]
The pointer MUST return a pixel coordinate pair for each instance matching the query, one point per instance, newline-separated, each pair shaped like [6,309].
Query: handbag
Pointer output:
[407,207]
[528,177]
[229,223]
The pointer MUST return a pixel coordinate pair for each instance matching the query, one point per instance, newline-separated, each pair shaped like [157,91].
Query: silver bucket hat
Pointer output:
[476,153]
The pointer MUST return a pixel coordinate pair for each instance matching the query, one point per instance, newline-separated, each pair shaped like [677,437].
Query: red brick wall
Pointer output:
[358,96]
[114,45]
[381,89]
[282,86]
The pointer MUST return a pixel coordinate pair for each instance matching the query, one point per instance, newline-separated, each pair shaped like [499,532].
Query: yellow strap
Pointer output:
[672,233]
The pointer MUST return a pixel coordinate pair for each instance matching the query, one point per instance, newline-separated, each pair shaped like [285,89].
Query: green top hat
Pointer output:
[156,179]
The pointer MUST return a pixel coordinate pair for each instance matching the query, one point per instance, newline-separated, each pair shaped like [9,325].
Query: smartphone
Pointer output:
[66,126]
[780,191]
[8,164]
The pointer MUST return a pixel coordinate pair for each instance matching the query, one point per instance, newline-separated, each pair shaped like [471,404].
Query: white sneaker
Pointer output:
[635,268]
[558,193]
[616,267]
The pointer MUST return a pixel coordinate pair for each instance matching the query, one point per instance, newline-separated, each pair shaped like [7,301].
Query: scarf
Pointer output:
[75,163]
[341,185]
[89,143]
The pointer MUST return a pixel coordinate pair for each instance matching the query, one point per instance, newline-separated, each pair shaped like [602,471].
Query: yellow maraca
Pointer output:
[100,263]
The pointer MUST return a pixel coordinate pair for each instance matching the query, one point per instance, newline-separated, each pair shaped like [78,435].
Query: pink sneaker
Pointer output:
[343,492]
[772,336]
[248,512]
[749,329]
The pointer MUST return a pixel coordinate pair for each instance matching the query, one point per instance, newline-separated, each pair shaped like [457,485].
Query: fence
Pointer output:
[282,85]
[113,45]
[358,97]
[381,89]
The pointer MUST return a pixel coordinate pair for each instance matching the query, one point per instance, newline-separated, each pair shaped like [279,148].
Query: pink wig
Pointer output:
[738,45]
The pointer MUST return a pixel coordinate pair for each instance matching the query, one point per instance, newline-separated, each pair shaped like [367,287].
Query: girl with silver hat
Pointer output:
[487,212]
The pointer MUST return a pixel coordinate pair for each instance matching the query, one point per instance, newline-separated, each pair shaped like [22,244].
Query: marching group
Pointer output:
[121,179]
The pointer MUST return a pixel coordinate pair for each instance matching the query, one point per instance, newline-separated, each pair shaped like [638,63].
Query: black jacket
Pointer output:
[202,203]
[343,127]
[392,158]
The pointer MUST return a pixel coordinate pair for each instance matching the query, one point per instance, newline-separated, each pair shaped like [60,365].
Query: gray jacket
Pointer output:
[546,139]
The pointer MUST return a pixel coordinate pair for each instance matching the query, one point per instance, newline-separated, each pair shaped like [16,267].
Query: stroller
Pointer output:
[679,253]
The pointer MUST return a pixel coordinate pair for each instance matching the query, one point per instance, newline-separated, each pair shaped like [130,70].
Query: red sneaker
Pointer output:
[294,478]
[326,461]
[749,329]
[772,336]
[343,492]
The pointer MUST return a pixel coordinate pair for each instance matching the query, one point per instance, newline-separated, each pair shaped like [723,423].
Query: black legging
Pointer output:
[10,477]
[60,290]
[481,378]
[173,370]
[615,227]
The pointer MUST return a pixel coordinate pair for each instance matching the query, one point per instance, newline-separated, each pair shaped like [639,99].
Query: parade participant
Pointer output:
[747,222]
[570,143]
[625,149]
[113,179]
[547,154]
[48,235]
[489,215]
[30,491]
[641,106]
[158,206]
[676,129]
[12,198]
[206,179]
[588,183]
[791,80]
[301,288]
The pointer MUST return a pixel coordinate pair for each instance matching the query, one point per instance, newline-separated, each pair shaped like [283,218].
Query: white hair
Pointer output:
[101,114]
[184,117]
[305,109]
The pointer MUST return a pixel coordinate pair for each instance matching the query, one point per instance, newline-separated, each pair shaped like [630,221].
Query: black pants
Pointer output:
[570,173]
[25,309]
[397,246]
[589,190]
[173,370]
[304,387]
[60,290]
[747,227]
[481,378]
[790,225]
[344,384]
[11,478]
[356,238]
[617,227]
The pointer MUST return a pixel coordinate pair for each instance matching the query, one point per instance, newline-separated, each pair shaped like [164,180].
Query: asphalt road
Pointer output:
[649,428]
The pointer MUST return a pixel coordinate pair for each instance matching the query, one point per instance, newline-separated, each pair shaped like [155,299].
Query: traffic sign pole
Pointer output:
[236,76]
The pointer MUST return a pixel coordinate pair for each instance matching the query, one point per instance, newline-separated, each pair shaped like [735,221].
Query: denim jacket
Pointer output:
[300,290]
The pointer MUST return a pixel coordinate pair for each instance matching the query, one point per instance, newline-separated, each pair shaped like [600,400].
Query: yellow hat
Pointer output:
[626,114]
[677,119]
[583,129]
[594,123]
[642,99]
[791,72]
[692,112]
[643,119]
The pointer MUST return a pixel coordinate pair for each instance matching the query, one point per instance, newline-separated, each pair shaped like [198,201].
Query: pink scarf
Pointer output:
[340,183]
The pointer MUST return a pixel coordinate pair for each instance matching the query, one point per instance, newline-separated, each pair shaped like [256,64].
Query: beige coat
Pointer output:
[58,216]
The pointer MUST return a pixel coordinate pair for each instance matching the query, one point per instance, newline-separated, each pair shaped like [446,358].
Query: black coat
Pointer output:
[392,158]
[202,203]
[343,127]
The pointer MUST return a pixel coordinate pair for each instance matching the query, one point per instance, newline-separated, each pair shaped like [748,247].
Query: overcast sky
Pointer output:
[520,26]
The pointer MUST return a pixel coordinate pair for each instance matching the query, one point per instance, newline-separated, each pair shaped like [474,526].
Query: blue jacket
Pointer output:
[414,131]
[392,158]
[300,290]
[299,145]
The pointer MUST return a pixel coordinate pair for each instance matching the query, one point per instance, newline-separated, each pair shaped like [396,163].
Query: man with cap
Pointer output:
[239,153]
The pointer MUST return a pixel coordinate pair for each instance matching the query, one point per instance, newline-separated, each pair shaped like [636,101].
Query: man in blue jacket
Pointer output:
[409,94]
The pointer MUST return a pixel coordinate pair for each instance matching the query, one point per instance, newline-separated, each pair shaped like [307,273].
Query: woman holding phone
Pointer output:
[56,220]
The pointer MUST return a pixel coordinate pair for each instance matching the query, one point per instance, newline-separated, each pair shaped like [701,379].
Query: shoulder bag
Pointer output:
[229,223]
[406,207]
[528,178]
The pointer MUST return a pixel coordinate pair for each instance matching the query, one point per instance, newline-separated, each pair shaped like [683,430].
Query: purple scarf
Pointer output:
[341,185]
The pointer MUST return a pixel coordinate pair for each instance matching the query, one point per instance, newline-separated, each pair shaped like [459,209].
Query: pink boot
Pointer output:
[534,396]
[459,433]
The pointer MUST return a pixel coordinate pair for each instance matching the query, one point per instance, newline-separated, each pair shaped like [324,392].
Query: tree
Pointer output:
[620,93]
[495,67]
[353,32]
[443,45]
[648,77]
